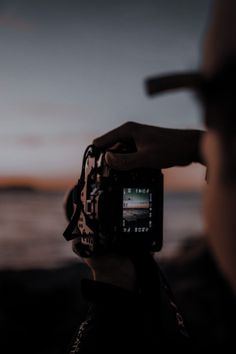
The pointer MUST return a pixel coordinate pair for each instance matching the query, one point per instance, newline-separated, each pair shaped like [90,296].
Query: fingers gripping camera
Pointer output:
[114,211]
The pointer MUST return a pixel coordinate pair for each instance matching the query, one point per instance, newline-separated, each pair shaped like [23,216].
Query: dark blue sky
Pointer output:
[71,70]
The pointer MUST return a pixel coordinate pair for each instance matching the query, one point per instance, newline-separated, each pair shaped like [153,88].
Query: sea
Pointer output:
[32,224]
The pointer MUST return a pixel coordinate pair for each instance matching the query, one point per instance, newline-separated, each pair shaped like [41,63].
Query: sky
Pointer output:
[72,70]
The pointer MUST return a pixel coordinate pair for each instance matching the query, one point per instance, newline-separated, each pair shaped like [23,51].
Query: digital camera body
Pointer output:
[115,211]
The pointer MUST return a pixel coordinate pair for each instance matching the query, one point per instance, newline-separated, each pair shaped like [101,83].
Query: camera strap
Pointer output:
[154,288]
[70,232]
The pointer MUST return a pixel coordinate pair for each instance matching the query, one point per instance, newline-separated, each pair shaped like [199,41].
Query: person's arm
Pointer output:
[150,146]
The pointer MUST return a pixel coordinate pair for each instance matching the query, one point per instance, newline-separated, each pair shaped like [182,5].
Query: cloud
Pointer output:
[67,141]
[15,22]
[49,109]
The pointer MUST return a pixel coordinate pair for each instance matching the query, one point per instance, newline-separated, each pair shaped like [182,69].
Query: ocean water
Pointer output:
[32,224]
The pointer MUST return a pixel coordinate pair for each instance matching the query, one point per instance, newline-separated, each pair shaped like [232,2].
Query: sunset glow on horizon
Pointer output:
[182,179]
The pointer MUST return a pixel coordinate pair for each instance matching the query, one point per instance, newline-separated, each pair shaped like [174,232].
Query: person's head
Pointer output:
[219,143]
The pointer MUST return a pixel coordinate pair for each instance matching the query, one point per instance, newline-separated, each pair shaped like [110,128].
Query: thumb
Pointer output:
[123,162]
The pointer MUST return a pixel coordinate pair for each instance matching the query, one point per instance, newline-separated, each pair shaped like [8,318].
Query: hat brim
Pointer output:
[187,80]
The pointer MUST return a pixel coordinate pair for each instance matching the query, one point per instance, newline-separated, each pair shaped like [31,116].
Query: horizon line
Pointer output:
[173,181]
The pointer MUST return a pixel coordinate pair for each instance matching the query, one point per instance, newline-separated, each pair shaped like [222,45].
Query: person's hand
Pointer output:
[111,268]
[155,147]
[152,147]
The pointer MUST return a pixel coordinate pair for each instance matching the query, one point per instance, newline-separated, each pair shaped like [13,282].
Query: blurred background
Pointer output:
[71,71]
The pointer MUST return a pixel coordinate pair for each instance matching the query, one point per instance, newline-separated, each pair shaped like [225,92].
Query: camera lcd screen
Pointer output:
[137,210]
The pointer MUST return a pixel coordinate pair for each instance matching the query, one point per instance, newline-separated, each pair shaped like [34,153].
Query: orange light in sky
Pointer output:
[190,178]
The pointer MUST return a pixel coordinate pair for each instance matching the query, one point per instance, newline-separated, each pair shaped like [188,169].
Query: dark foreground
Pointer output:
[41,306]
[40,309]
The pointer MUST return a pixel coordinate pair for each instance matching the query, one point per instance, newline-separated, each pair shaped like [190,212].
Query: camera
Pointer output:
[114,211]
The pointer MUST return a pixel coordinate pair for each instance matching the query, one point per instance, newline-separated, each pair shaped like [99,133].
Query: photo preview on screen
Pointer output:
[137,210]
